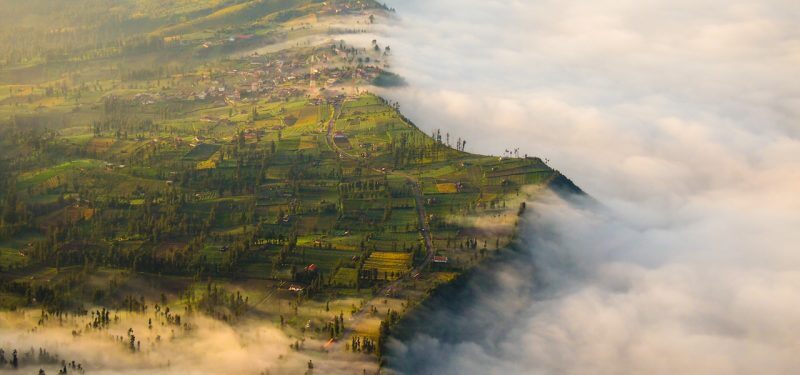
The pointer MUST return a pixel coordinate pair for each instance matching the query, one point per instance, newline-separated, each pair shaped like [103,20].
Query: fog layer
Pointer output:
[201,345]
[681,118]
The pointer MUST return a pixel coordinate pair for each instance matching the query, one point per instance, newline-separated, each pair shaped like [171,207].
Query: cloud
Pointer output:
[681,118]
[599,294]
[208,346]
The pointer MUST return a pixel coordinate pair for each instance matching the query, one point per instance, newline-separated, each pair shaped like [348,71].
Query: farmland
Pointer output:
[164,167]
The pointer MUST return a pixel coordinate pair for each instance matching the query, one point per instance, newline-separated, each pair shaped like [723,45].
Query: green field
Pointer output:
[201,152]
[151,149]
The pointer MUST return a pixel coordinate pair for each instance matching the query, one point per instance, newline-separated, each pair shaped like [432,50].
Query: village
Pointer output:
[270,184]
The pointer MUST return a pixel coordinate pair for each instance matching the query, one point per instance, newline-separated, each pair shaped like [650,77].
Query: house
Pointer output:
[341,140]
[295,288]
[311,268]
[440,259]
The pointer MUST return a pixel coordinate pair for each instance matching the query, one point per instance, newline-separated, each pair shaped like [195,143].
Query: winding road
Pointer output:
[412,181]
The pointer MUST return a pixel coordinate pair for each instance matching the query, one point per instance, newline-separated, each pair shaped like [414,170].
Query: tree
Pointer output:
[132,338]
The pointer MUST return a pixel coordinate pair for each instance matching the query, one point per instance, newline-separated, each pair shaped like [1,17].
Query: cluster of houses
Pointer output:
[273,77]
[333,7]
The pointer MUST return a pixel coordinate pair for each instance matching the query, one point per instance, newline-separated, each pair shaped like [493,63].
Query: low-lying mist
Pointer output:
[197,345]
[681,119]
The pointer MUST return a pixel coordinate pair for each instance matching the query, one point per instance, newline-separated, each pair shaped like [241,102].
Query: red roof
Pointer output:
[312,268]
[440,259]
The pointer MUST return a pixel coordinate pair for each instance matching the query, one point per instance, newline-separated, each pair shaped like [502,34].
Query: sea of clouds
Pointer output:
[682,119]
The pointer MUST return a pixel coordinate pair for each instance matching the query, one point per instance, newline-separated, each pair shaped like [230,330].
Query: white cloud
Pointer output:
[681,118]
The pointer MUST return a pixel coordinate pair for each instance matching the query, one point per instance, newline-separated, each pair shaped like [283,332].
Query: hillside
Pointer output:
[161,166]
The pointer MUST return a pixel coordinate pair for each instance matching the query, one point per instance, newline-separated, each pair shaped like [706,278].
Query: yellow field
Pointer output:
[447,188]
[389,262]
[52,182]
[207,164]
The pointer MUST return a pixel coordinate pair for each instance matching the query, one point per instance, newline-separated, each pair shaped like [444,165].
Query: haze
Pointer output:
[203,346]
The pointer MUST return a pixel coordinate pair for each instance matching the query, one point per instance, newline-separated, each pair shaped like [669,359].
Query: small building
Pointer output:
[341,140]
[339,136]
[440,259]
[295,288]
